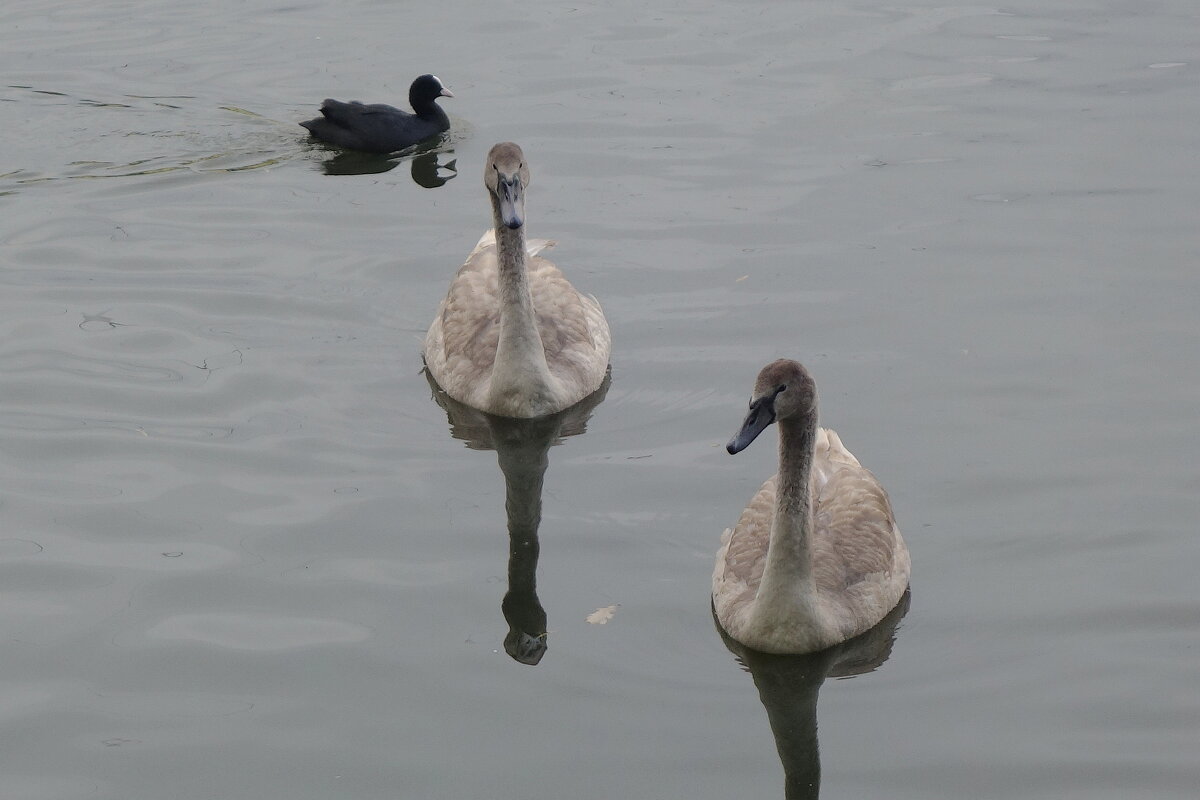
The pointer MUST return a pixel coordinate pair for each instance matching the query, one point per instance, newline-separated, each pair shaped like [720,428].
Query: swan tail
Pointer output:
[535,246]
[487,240]
[532,246]
[831,443]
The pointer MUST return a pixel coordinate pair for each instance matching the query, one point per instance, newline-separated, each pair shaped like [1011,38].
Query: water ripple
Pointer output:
[256,632]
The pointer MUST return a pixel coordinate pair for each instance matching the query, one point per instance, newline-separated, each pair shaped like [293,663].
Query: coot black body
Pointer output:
[379,128]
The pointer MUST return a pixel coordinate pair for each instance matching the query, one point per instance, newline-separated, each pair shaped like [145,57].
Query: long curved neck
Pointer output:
[787,583]
[520,373]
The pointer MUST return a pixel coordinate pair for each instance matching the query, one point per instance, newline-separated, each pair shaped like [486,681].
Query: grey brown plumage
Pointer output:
[846,564]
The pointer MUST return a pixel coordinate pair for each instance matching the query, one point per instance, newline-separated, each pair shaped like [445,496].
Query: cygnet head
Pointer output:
[506,177]
[424,90]
[784,389]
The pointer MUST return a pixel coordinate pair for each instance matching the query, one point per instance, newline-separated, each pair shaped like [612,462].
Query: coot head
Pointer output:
[424,90]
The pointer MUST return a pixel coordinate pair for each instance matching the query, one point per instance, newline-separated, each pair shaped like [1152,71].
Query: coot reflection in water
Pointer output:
[788,687]
[522,450]
[426,168]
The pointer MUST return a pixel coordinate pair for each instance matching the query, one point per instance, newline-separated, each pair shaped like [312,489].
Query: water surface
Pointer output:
[245,556]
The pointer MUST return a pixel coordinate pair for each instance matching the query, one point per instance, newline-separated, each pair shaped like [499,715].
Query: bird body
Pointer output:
[816,557]
[380,128]
[513,337]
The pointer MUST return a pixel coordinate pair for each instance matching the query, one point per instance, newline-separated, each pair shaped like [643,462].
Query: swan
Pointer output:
[513,337]
[816,557]
[380,128]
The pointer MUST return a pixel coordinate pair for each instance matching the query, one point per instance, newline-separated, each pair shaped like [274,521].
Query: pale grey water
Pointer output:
[243,556]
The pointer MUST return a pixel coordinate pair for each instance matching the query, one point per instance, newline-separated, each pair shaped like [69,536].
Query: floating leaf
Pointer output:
[601,615]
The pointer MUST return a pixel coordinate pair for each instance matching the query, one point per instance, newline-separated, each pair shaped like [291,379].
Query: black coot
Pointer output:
[380,128]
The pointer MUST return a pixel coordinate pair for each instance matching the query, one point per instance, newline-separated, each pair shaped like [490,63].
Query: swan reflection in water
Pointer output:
[522,449]
[788,687]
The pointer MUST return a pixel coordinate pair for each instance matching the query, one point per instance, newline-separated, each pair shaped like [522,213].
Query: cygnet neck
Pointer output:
[787,574]
[521,379]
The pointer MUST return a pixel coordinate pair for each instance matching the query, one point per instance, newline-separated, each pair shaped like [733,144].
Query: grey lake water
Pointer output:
[246,554]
